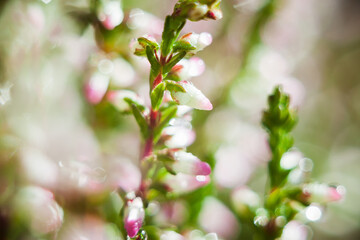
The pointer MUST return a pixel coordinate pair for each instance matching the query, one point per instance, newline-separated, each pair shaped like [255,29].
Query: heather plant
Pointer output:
[169,191]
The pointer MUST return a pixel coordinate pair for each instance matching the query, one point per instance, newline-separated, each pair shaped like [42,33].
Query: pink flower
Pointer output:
[192,97]
[110,13]
[189,164]
[323,193]
[182,183]
[96,87]
[134,216]
[38,208]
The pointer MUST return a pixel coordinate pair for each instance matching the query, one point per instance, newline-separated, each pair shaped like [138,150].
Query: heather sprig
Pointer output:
[293,198]
[167,168]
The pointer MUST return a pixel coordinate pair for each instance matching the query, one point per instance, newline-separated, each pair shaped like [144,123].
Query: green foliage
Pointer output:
[141,121]
[279,119]
[166,115]
[157,95]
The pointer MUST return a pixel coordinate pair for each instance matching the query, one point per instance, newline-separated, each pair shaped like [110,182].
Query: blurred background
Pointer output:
[62,146]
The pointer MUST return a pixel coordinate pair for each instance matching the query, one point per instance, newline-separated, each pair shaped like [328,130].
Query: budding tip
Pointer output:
[203,168]
[335,195]
[132,228]
[206,105]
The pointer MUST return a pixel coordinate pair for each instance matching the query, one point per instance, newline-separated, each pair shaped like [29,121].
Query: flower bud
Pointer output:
[198,41]
[134,216]
[187,163]
[197,12]
[244,200]
[178,136]
[187,69]
[38,208]
[214,14]
[171,235]
[323,193]
[110,13]
[96,87]
[183,183]
[117,98]
[192,97]
[138,46]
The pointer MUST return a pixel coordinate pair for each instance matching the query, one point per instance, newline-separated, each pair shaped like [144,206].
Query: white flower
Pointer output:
[110,13]
[117,98]
[192,97]
[189,164]
[199,41]
[37,206]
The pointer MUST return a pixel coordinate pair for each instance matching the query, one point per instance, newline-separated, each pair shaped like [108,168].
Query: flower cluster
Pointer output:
[165,125]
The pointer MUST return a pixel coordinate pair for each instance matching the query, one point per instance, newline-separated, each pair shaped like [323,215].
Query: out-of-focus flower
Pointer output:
[134,216]
[187,163]
[117,98]
[123,74]
[143,22]
[171,235]
[88,227]
[294,231]
[198,41]
[216,217]
[198,235]
[178,136]
[110,13]
[323,193]
[182,183]
[96,87]
[39,168]
[125,175]
[244,200]
[172,212]
[38,208]
[187,69]
[192,97]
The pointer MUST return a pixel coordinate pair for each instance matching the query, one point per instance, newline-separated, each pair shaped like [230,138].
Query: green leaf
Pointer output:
[138,105]
[155,65]
[141,121]
[146,42]
[172,28]
[166,116]
[174,60]
[183,46]
[173,86]
[157,95]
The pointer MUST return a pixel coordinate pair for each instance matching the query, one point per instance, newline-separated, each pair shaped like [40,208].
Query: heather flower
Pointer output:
[39,209]
[187,163]
[110,13]
[188,68]
[192,97]
[96,87]
[198,41]
[182,183]
[323,193]
[117,98]
[134,216]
